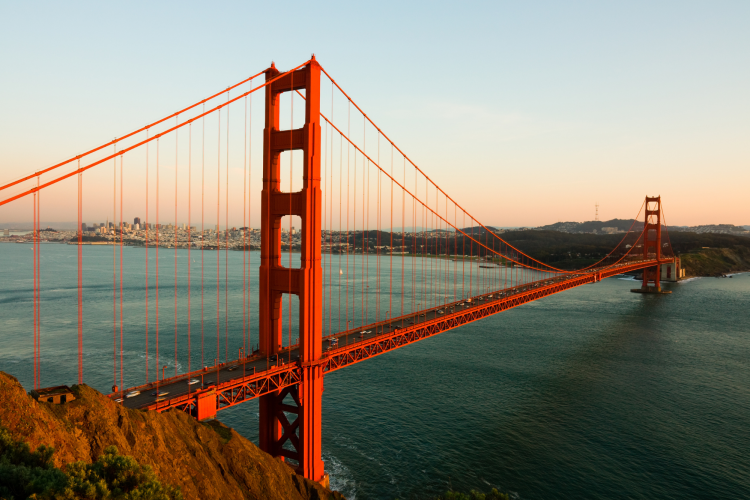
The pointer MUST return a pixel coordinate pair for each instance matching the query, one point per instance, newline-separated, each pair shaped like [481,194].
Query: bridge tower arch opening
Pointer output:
[297,439]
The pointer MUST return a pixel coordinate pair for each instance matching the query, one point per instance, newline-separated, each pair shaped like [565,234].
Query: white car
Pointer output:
[132,394]
[440,311]
[193,381]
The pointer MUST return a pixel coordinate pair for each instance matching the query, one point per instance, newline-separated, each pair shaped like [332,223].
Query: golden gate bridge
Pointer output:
[355,184]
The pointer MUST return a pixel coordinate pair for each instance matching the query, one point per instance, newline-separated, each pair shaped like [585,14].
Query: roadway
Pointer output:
[212,376]
[256,364]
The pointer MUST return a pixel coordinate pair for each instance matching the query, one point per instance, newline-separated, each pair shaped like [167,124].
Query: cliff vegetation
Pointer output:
[716,261]
[166,455]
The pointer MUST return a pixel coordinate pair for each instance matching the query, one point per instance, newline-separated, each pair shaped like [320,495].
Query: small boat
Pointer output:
[341,271]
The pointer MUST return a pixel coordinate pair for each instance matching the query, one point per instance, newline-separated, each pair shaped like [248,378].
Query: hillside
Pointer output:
[621,225]
[574,251]
[204,460]
[716,261]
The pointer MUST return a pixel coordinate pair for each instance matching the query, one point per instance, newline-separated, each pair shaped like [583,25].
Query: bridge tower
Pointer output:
[652,244]
[299,440]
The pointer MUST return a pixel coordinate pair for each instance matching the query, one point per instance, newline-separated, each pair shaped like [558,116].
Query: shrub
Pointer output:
[30,474]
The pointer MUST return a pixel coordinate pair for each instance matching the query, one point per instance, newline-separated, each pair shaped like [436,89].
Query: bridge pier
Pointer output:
[296,440]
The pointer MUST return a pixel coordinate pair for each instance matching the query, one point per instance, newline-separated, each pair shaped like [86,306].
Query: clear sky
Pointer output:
[527,113]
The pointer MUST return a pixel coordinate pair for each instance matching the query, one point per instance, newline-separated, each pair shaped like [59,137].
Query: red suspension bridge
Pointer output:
[386,256]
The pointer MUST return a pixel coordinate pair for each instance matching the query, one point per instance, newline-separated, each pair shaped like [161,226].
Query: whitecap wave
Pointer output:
[340,477]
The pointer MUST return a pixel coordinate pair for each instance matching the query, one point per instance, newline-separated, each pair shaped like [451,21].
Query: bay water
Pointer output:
[592,393]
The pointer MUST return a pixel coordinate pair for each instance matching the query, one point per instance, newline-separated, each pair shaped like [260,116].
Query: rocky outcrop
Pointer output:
[205,460]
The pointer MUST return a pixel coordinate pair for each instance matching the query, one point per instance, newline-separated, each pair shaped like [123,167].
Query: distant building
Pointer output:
[84,228]
[610,230]
[137,220]
[6,232]
[56,395]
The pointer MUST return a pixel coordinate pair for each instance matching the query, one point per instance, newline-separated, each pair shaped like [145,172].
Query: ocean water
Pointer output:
[592,393]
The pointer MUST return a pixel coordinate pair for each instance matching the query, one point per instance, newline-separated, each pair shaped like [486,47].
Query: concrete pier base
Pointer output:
[650,289]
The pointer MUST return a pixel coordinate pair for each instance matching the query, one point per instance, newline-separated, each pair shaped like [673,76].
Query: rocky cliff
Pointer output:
[204,460]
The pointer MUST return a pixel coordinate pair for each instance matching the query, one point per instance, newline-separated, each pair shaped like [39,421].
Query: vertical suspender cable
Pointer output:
[244,235]
[414,245]
[39,286]
[403,235]
[341,180]
[189,235]
[122,384]
[226,250]
[354,231]
[203,230]
[363,286]
[366,224]
[157,230]
[174,234]
[390,257]
[348,149]
[324,192]
[377,248]
[250,213]
[80,275]
[114,271]
[33,296]
[463,258]
[291,170]
[146,243]
[330,234]
[218,244]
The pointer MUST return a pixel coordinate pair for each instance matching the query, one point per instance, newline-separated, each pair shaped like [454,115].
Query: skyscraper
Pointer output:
[137,220]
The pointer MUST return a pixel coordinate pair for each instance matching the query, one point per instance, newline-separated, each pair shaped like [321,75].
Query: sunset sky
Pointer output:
[526,113]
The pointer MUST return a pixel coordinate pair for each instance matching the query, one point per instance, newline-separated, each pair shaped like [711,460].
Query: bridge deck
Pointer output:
[244,379]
